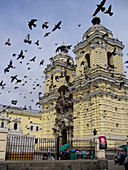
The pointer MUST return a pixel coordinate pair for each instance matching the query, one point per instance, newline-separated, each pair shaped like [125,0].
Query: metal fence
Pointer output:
[44,147]
[25,147]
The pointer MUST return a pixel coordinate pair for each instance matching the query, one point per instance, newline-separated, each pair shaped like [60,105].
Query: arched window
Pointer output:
[67,78]
[2,124]
[15,126]
[110,60]
[87,57]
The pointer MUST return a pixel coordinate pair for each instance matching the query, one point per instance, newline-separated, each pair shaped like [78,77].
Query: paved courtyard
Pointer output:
[112,166]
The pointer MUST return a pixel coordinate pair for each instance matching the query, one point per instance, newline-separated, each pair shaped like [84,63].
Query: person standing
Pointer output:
[48,155]
[83,153]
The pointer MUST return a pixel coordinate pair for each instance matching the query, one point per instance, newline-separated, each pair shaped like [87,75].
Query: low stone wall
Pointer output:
[100,164]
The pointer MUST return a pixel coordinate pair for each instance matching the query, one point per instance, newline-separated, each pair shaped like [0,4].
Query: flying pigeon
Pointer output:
[32,23]
[21,55]
[27,40]
[33,59]
[46,35]
[14,102]
[45,25]
[57,26]
[41,62]
[13,78]
[108,11]
[37,43]
[100,7]
[2,84]
[8,42]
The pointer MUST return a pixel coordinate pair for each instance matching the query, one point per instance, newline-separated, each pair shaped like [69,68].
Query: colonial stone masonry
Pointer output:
[93,94]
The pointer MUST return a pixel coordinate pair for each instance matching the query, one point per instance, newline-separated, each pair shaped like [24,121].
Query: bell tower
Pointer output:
[60,72]
[100,87]
[99,48]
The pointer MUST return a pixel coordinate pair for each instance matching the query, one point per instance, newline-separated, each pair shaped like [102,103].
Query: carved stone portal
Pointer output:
[64,122]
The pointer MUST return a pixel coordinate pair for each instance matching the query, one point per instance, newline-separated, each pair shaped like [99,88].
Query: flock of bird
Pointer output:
[32,24]
[21,56]
[21,82]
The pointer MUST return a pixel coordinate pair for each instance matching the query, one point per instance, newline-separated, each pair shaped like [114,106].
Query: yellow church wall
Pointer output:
[47,82]
[98,100]
[103,113]
[80,68]
[120,64]
[48,119]
[24,120]
[116,59]
[56,72]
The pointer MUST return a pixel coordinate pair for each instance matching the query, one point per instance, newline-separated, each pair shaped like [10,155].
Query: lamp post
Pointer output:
[94,132]
[57,146]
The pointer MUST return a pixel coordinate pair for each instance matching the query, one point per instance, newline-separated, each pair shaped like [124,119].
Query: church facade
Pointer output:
[81,99]
[90,97]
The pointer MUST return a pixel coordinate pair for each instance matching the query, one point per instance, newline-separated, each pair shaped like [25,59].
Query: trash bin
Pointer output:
[73,154]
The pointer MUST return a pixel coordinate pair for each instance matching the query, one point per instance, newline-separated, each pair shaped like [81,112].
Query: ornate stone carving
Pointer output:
[64,108]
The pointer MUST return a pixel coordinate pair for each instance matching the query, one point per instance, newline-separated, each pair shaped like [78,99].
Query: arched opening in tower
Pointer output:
[110,60]
[87,57]
[67,79]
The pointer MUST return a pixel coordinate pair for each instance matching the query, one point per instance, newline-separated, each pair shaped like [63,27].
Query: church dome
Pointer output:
[63,57]
[97,28]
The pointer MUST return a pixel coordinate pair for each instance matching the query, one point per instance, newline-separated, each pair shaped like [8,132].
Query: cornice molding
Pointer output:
[111,41]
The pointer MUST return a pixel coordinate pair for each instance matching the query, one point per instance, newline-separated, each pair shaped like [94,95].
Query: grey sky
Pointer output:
[14,17]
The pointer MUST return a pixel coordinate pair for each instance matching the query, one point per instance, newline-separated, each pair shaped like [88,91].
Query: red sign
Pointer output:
[102,142]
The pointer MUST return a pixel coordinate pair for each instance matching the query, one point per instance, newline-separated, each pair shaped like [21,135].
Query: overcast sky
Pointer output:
[14,17]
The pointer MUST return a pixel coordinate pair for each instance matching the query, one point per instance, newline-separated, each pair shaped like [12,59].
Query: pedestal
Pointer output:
[99,153]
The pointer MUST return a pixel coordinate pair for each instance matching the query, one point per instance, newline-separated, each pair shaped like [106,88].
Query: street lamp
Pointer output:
[94,132]
[57,146]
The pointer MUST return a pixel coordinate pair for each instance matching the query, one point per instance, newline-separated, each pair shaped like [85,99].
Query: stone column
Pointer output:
[99,153]
[3,143]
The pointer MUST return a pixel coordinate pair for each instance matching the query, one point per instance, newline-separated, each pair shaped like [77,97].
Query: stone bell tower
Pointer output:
[100,90]
[59,73]
[99,48]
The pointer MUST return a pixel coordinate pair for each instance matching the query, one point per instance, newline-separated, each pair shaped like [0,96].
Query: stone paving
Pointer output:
[112,166]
